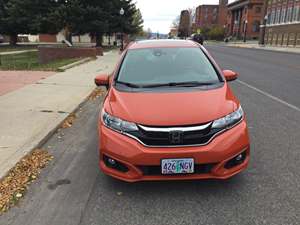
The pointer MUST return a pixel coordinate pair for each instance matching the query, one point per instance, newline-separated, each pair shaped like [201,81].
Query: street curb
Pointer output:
[263,49]
[51,132]
[77,63]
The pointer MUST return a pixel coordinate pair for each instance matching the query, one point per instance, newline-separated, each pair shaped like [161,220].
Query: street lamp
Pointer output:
[245,30]
[235,29]
[264,30]
[122,12]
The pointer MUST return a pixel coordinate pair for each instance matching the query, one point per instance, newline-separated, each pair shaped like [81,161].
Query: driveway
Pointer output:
[13,80]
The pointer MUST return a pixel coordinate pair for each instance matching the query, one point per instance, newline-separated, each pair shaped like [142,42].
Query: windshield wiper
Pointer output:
[171,84]
[129,84]
[179,84]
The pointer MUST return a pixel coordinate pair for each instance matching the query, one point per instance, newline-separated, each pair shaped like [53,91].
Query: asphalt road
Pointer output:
[73,191]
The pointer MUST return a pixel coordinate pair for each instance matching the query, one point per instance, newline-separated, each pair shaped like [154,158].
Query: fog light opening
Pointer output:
[114,164]
[239,157]
[111,161]
[237,160]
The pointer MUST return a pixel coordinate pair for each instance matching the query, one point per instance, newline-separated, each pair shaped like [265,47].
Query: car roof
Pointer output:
[163,44]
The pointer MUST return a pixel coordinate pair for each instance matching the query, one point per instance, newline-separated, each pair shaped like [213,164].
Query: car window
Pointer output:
[165,65]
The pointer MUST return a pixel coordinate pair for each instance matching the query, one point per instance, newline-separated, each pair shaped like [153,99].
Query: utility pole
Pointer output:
[122,12]
[245,30]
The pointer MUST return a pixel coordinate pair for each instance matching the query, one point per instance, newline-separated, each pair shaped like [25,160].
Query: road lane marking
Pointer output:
[270,96]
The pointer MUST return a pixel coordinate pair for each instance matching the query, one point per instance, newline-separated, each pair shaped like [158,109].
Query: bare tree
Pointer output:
[175,23]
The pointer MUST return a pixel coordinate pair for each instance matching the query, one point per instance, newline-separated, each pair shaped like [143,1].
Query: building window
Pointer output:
[269,18]
[292,38]
[277,16]
[298,40]
[296,13]
[255,26]
[289,14]
[279,39]
[206,14]
[258,10]
[270,37]
[285,39]
[214,19]
[274,41]
[283,15]
[272,17]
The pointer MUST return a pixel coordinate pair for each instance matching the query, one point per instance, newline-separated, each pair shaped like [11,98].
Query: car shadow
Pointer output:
[203,187]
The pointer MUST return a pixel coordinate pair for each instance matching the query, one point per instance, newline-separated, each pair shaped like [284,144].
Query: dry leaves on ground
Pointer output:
[98,92]
[69,121]
[14,185]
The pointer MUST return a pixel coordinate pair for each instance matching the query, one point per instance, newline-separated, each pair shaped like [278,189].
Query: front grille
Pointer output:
[156,170]
[154,136]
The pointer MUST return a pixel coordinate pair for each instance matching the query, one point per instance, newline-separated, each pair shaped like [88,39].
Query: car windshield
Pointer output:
[167,66]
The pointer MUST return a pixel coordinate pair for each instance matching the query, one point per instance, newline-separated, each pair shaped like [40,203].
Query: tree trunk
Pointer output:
[13,39]
[69,37]
[99,39]
[109,40]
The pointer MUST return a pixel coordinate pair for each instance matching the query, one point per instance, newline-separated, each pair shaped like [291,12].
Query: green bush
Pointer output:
[216,33]
[213,33]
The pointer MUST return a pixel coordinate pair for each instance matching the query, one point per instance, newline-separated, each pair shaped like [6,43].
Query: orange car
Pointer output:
[170,114]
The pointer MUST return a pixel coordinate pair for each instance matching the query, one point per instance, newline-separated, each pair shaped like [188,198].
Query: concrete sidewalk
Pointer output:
[254,45]
[17,52]
[28,115]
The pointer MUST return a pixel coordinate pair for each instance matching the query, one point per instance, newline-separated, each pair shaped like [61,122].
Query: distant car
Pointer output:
[170,114]
[198,38]
[1,39]
[228,39]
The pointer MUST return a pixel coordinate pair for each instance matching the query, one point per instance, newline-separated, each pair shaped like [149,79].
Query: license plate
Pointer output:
[177,166]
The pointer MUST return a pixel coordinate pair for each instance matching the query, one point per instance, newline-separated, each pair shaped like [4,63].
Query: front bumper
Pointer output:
[135,156]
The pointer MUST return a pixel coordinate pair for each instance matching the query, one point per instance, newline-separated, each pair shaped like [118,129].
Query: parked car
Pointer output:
[1,39]
[170,114]
[228,39]
[198,38]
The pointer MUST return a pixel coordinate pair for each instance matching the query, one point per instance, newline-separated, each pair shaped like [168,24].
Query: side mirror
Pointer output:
[230,75]
[102,80]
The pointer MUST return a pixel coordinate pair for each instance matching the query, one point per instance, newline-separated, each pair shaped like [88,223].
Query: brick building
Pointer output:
[244,18]
[206,15]
[211,15]
[222,13]
[282,18]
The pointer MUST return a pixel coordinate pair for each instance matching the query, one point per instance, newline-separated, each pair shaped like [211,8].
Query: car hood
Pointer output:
[172,108]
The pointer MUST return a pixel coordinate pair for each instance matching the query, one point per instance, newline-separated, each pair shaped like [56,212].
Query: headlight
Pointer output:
[118,124]
[229,120]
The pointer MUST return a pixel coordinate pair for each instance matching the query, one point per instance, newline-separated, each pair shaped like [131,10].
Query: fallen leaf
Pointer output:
[96,94]
[69,121]
[14,185]
[19,195]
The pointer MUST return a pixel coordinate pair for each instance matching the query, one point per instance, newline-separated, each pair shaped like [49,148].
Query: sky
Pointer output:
[159,14]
